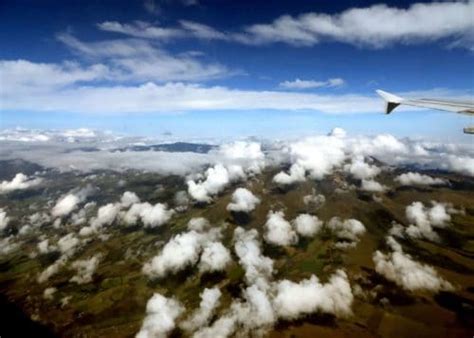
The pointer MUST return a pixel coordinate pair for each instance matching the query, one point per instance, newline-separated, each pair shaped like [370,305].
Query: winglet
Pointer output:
[393,101]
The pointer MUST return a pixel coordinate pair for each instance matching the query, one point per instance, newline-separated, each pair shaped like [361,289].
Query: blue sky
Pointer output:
[231,69]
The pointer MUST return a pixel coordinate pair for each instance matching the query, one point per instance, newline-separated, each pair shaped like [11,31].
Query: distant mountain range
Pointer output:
[177,147]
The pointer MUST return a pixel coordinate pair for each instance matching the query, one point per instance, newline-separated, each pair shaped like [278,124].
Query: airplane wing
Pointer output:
[462,107]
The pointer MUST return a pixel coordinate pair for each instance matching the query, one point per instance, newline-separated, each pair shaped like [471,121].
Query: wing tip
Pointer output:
[392,101]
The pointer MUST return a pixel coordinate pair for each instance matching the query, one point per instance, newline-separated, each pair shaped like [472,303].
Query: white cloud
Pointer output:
[308,84]
[278,230]
[48,293]
[177,97]
[67,246]
[183,250]
[67,203]
[372,186]
[19,182]
[217,178]
[247,247]
[243,201]
[236,161]
[214,257]
[413,178]
[139,60]
[424,219]
[210,299]
[161,315]
[361,170]
[350,229]
[376,26]
[8,245]
[307,225]
[316,200]
[106,215]
[140,29]
[151,216]
[4,219]
[198,224]
[295,300]
[128,198]
[316,155]
[85,269]
[52,269]
[401,269]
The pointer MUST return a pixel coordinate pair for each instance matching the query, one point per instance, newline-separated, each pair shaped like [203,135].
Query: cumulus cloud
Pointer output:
[19,182]
[413,178]
[161,316]
[401,269]
[248,249]
[349,230]
[67,246]
[128,198]
[278,230]
[317,156]
[243,201]
[236,161]
[4,219]
[315,200]
[8,245]
[307,225]
[210,299]
[85,269]
[183,250]
[424,219]
[68,203]
[106,215]
[308,84]
[151,216]
[65,205]
[294,300]
[362,170]
[198,224]
[217,178]
[372,186]
[48,293]
[214,257]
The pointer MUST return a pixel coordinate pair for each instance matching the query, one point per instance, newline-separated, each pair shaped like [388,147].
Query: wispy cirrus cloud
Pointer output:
[140,60]
[377,26]
[308,84]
